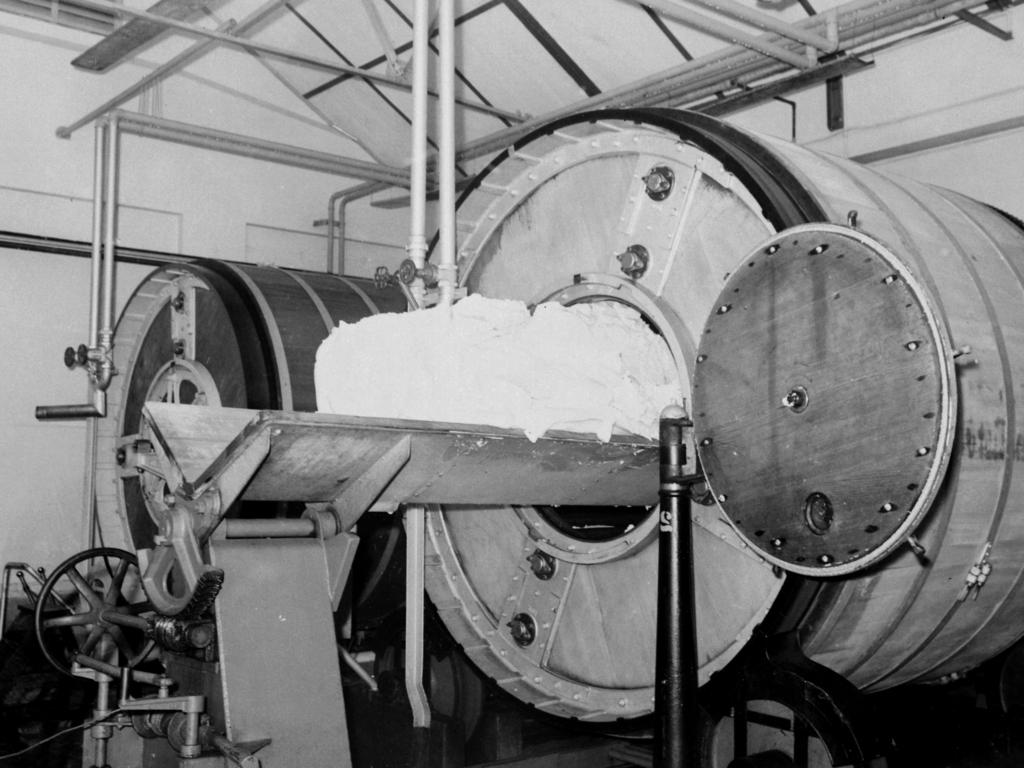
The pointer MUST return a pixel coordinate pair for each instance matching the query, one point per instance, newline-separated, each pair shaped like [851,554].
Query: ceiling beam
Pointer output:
[128,38]
[553,47]
[171,66]
[859,23]
[749,97]
[725,32]
[260,149]
[737,12]
[373,14]
[279,53]
[190,54]
[985,25]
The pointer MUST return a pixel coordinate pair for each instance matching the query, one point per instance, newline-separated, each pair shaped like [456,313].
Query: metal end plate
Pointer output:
[824,400]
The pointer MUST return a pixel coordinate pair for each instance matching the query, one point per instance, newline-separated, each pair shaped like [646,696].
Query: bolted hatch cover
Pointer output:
[824,400]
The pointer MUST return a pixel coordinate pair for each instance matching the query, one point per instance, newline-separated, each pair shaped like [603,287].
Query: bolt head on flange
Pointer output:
[523,629]
[658,182]
[634,261]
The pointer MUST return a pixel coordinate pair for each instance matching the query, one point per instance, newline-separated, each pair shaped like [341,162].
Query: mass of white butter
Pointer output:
[594,368]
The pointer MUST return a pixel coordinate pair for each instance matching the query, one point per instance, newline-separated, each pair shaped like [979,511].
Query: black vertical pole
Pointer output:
[678,721]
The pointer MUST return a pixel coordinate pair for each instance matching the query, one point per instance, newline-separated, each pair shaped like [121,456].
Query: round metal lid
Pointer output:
[824,400]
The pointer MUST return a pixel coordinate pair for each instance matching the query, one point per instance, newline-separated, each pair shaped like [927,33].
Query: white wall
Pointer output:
[44,310]
[173,198]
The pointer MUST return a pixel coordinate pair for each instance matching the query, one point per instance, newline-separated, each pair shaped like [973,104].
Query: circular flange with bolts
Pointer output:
[825,400]
[550,538]
[92,605]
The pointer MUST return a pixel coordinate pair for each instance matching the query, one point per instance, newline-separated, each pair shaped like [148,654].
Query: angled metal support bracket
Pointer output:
[190,54]
[125,40]
[395,67]
[828,43]
[358,495]
[731,34]
[275,52]
[984,25]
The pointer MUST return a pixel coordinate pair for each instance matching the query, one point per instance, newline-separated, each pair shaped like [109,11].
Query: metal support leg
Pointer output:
[101,731]
[678,720]
[415,524]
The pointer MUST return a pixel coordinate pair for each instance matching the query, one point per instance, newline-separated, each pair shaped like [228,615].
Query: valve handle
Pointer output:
[76,357]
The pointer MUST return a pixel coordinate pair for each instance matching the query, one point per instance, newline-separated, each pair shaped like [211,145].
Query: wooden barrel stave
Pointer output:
[981,491]
[983,615]
[294,326]
[903,620]
[239,311]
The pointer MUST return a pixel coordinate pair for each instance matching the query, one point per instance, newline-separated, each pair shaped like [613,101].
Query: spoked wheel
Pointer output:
[93,607]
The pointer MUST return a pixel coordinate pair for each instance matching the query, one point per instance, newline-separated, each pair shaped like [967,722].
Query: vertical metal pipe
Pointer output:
[89,511]
[415,535]
[331,223]
[336,205]
[677,721]
[341,222]
[110,226]
[99,371]
[106,332]
[446,153]
[417,247]
[101,732]
[98,188]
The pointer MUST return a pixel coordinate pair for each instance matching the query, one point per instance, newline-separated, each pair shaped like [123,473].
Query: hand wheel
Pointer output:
[92,605]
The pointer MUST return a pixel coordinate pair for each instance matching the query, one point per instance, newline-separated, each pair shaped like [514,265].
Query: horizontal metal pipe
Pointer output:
[188,55]
[336,206]
[858,23]
[248,146]
[860,27]
[152,678]
[769,23]
[942,140]
[723,31]
[276,52]
[97,408]
[61,412]
[270,528]
[758,94]
[249,45]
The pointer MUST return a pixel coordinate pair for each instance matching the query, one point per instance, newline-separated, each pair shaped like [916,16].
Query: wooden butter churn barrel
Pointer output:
[560,216]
